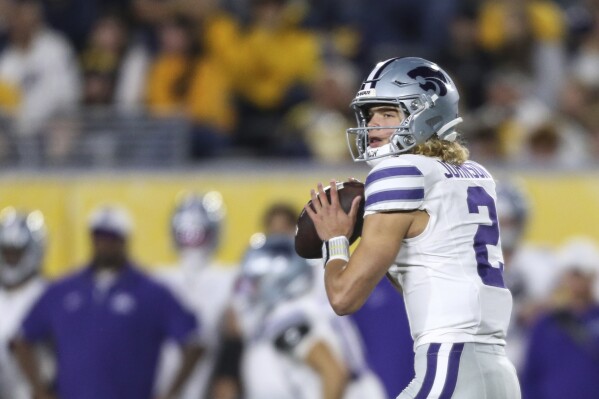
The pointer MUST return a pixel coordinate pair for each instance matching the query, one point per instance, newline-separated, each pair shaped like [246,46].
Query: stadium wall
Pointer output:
[562,206]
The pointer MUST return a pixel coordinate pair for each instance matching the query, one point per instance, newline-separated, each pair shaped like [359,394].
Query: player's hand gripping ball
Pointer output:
[307,243]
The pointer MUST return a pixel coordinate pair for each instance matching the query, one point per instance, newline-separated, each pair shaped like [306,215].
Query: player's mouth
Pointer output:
[375,141]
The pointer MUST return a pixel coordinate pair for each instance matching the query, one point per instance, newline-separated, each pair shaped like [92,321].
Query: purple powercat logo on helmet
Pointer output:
[430,79]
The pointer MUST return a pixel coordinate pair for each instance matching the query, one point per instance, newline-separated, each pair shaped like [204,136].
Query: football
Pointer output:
[307,243]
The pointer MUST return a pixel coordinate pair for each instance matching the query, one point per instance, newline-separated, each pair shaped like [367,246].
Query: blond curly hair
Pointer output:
[452,152]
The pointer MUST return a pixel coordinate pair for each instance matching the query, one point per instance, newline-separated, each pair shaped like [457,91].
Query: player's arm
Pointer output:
[333,374]
[226,380]
[302,341]
[191,353]
[25,355]
[182,327]
[348,285]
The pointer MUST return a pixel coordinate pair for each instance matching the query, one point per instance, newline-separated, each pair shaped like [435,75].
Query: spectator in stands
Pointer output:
[312,127]
[38,70]
[463,57]
[187,81]
[107,323]
[114,67]
[563,354]
[555,144]
[280,60]
[22,247]
[528,36]
[199,282]
[585,60]
[510,112]
[404,28]
[74,19]
[4,22]
[592,123]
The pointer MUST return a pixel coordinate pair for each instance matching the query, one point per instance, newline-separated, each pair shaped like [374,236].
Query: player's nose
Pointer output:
[374,122]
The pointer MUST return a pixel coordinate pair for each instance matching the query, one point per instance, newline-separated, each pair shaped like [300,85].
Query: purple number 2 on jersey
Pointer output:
[485,235]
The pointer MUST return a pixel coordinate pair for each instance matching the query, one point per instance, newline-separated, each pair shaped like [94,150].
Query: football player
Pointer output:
[310,356]
[531,270]
[22,245]
[202,285]
[430,226]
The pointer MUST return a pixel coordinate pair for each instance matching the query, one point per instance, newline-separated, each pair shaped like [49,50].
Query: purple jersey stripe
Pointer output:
[452,371]
[413,194]
[431,370]
[397,171]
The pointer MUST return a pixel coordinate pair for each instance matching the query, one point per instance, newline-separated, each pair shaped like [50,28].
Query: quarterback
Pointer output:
[430,226]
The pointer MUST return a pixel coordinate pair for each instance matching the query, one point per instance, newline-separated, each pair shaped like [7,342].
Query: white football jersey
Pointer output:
[14,305]
[452,273]
[206,293]
[283,339]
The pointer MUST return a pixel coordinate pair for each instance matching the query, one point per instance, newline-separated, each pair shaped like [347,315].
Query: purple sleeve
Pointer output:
[179,323]
[37,325]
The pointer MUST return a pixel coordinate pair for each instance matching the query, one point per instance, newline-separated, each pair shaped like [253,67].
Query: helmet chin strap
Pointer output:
[378,153]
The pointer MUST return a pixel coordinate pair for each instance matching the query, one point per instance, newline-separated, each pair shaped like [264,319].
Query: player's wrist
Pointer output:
[335,248]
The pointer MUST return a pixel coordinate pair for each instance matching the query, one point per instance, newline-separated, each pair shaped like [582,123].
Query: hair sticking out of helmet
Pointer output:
[272,272]
[421,90]
[22,245]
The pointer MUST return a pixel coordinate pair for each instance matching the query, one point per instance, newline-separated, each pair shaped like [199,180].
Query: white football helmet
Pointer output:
[513,209]
[271,272]
[197,221]
[22,245]
[426,95]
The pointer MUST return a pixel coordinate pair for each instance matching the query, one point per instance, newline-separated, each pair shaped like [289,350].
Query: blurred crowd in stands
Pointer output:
[275,77]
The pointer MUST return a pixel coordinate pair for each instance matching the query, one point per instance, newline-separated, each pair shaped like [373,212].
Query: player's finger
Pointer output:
[334,194]
[323,196]
[355,205]
[315,200]
[310,211]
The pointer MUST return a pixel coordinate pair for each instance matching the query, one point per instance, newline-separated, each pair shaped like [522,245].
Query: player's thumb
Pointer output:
[355,205]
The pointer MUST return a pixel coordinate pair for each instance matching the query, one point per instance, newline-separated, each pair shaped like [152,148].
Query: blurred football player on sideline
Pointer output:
[202,286]
[530,271]
[281,218]
[430,226]
[107,323]
[284,324]
[22,246]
